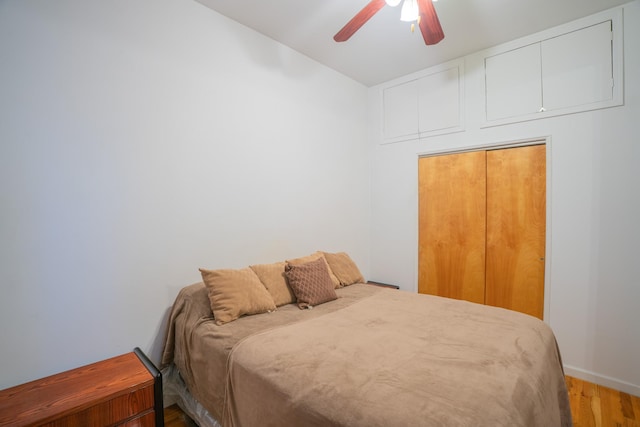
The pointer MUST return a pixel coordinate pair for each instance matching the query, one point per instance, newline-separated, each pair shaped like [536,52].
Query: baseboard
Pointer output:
[603,380]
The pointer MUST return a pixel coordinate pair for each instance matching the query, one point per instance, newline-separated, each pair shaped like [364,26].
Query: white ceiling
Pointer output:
[384,48]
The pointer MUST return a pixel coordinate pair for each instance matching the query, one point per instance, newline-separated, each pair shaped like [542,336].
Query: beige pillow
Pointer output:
[311,283]
[344,268]
[234,293]
[273,278]
[314,256]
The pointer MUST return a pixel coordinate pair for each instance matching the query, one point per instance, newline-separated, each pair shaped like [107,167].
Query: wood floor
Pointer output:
[594,405]
[174,417]
[591,406]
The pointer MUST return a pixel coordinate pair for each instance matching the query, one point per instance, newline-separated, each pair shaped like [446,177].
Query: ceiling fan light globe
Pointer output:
[409,11]
[393,3]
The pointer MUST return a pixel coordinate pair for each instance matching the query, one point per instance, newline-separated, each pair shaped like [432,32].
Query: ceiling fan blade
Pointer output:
[359,20]
[429,23]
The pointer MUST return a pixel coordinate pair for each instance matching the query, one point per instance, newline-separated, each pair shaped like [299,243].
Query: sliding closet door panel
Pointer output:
[516,213]
[452,225]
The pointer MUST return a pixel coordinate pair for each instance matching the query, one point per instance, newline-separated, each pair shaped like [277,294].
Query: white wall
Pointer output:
[142,140]
[594,202]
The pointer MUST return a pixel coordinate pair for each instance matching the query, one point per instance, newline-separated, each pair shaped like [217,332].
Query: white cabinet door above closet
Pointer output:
[401,110]
[514,86]
[439,100]
[577,68]
[573,68]
[431,103]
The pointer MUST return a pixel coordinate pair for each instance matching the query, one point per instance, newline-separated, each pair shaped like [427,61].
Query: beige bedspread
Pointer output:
[374,357]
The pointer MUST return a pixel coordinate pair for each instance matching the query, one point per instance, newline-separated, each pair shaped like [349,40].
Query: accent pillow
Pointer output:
[314,256]
[273,278]
[234,293]
[311,283]
[344,268]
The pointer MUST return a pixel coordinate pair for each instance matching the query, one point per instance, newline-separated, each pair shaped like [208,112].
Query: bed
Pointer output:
[372,357]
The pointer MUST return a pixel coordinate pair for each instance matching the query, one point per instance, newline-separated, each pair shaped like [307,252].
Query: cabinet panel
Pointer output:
[428,104]
[452,225]
[513,83]
[400,105]
[565,70]
[577,68]
[439,100]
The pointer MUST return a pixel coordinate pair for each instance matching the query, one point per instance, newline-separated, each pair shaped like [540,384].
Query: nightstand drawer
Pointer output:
[146,420]
[116,411]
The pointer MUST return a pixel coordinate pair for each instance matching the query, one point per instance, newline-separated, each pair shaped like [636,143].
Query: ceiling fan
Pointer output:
[421,11]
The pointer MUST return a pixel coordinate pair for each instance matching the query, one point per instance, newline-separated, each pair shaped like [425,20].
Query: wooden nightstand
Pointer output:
[125,390]
[384,285]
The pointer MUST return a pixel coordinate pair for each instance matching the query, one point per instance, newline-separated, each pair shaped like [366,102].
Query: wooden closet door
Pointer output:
[452,219]
[516,223]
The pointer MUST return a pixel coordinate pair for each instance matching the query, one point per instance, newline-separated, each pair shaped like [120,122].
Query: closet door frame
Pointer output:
[497,146]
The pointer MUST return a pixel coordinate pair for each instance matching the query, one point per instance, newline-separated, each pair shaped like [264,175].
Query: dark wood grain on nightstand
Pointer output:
[115,391]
